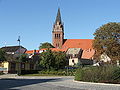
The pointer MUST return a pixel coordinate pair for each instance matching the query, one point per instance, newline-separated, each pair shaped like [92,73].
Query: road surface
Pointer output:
[14,82]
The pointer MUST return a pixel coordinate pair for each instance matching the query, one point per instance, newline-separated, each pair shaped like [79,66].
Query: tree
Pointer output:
[52,60]
[60,60]
[107,40]
[2,55]
[47,60]
[23,58]
[46,45]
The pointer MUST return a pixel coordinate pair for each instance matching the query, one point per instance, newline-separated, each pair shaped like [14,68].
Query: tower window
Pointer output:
[59,36]
[55,35]
[57,44]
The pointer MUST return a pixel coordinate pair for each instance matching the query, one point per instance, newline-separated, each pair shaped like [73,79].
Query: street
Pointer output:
[49,83]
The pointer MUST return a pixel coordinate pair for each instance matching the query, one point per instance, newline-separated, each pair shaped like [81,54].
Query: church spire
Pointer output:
[58,18]
[58,31]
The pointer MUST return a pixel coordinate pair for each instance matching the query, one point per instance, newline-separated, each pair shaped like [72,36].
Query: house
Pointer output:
[74,55]
[12,63]
[104,57]
[14,50]
[31,53]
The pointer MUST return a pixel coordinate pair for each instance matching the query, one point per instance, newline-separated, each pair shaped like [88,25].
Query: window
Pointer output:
[31,66]
[72,61]
[1,65]
[59,36]
[76,55]
[13,65]
[55,35]
[23,66]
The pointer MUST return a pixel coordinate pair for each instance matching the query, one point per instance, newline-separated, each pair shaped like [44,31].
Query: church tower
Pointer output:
[58,32]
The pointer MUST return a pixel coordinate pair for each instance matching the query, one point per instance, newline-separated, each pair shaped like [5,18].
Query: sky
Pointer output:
[33,20]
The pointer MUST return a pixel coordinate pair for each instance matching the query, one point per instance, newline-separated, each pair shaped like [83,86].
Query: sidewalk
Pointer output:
[8,76]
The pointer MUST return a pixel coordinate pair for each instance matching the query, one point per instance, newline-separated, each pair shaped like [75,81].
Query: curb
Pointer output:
[92,83]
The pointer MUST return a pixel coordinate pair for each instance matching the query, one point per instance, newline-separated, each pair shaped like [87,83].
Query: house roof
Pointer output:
[78,43]
[73,51]
[32,51]
[88,54]
[37,51]
[11,48]
[54,49]
[57,49]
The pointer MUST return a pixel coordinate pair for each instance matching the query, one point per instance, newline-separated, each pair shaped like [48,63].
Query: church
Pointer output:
[77,50]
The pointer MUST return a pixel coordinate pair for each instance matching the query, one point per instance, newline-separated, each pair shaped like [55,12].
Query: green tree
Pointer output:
[2,55]
[52,60]
[45,45]
[60,60]
[107,40]
[23,58]
[47,60]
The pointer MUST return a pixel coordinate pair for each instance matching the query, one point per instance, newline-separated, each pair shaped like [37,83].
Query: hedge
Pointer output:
[1,73]
[104,74]
[29,72]
[58,72]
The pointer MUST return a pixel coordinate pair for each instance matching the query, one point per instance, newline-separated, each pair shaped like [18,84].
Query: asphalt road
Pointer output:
[50,83]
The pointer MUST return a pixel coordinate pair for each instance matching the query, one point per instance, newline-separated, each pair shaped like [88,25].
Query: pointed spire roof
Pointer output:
[58,18]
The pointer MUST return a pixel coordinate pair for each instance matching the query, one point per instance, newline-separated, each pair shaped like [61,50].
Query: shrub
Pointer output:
[78,74]
[104,74]
[28,72]
[62,72]
[1,73]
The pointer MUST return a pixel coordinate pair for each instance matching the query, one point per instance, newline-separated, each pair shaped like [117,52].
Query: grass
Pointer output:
[40,75]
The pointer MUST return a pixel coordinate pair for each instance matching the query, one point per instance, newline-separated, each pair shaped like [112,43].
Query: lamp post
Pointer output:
[19,61]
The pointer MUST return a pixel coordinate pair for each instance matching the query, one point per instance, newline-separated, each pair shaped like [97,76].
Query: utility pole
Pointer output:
[19,61]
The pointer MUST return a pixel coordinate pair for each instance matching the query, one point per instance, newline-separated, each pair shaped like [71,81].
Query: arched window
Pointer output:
[59,36]
[55,35]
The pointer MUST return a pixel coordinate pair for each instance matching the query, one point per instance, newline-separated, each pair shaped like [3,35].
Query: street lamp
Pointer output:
[19,62]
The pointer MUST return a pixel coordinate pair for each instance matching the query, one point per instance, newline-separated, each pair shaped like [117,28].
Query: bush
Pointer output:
[28,72]
[62,72]
[104,74]
[1,73]
[78,74]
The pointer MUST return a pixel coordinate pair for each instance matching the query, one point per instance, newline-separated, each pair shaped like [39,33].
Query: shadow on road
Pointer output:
[8,84]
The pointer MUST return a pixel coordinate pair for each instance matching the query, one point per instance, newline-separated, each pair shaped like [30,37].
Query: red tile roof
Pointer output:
[32,51]
[88,54]
[84,44]
[37,51]
[57,49]
[78,43]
